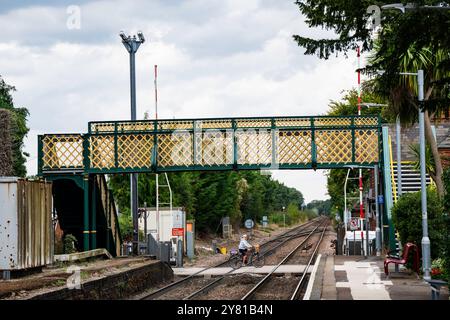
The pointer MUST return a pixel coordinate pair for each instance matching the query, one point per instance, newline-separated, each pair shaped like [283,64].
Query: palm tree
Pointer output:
[430,165]
[403,92]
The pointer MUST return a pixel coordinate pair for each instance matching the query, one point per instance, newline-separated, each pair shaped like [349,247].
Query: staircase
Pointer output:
[109,216]
[68,202]
[410,179]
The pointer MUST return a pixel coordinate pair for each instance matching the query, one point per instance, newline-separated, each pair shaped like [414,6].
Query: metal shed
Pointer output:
[25,224]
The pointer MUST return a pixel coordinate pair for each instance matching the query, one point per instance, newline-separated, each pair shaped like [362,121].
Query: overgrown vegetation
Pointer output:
[6,162]
[70,243]
[292,215]
[17,130]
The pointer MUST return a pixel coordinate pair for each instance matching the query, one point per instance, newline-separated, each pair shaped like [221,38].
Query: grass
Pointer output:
[59,283]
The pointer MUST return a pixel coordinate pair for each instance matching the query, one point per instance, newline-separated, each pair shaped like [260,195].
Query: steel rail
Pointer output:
[260,283]
[300,282]
[288,234]
[169,287]
[266,253]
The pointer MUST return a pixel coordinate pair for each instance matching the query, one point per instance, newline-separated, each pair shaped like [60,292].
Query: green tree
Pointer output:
[209,196]
[348,105]
[402,90]
[406,42]
[323,206]
[126,226]
[430,164]
[350,21]
[18,126]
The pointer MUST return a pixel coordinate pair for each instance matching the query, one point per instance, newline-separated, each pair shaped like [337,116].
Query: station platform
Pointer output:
[284,269]
[359,278]
[115,278]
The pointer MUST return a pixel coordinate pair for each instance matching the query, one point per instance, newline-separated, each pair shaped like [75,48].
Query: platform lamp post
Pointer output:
[132,43]
[426,251]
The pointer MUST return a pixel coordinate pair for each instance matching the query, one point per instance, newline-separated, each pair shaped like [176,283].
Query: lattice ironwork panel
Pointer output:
[135,126]
[253,123]
[294,147]
[214,147]
[214,124]
[101,151]
[102,127]
[366,145]
[175,149]
[366,121]
[62,151]
[293,122]
[332,121]
[176,125]
[135,150]
[333,146]
[254,147]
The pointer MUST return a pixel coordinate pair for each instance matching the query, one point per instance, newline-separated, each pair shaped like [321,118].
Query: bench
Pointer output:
[436,287]
[397,260]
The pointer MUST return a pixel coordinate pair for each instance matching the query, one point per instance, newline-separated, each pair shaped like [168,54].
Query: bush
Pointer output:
[70,243]
[293,215]
[407,218]
[126,226]
[277,218]
[446,256]
[438,269]
[311,213]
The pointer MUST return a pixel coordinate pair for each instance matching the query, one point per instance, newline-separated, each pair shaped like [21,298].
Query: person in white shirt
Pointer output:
[243,248]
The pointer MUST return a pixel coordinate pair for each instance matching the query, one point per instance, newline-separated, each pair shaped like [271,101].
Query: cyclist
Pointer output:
[243,248]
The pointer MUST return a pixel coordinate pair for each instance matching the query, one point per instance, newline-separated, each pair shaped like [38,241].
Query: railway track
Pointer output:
[269,277]
[201,285]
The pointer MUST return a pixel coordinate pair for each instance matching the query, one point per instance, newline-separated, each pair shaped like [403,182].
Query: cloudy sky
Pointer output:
[215,58]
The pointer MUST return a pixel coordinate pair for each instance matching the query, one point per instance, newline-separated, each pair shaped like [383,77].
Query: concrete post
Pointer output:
[179,253]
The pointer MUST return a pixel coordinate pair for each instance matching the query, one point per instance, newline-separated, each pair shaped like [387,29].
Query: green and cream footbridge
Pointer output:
[109,147]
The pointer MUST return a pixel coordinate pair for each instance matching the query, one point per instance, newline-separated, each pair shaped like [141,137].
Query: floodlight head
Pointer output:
[141,36]
[123,36]
[440,5]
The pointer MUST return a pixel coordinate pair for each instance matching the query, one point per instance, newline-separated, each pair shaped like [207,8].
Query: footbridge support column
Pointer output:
[86,212]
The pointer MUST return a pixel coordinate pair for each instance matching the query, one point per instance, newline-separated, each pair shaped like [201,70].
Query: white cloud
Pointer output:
[306,181]
[215,58]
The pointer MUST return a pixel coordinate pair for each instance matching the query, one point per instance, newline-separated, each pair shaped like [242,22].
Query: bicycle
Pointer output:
[253,258]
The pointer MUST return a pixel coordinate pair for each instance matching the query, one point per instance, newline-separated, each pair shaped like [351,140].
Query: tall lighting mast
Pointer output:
[132,43]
